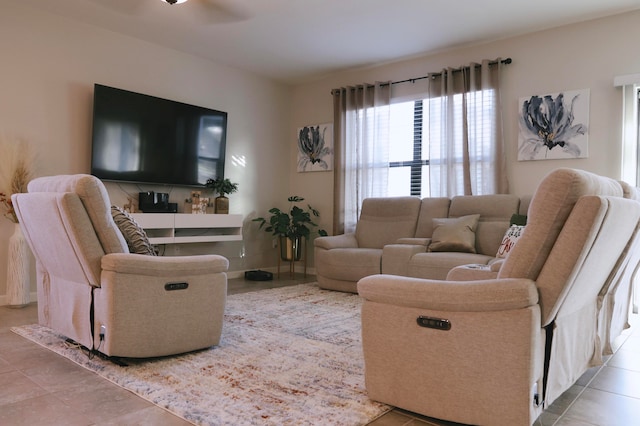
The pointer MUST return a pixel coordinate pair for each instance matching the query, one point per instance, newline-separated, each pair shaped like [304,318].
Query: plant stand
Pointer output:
[290,256]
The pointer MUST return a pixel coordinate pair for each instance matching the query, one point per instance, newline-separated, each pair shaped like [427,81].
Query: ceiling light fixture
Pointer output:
[174,1]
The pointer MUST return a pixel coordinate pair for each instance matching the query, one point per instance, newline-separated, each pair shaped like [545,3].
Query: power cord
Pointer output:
[72,344]
[103,330]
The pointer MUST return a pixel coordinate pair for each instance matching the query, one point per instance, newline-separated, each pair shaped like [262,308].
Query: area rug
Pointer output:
[288,356]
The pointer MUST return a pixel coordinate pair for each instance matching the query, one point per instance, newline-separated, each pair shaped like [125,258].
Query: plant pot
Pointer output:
[222,205]
[290,249]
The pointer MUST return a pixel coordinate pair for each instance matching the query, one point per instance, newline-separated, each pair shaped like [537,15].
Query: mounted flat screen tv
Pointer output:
[144,139]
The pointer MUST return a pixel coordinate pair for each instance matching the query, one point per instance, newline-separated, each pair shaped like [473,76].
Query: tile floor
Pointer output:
[38,387]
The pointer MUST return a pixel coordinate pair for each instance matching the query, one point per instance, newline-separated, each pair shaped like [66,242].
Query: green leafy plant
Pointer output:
[294,224]
[222,186]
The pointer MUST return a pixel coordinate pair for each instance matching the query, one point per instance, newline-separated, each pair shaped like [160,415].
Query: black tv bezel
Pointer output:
[99,173]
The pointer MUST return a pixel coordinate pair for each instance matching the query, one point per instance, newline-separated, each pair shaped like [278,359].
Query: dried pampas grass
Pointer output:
[16,170]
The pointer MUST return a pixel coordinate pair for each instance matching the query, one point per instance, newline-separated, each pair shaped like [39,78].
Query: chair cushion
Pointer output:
[455,234]
[95,199]
[136,237]
[550,206]
[384,220]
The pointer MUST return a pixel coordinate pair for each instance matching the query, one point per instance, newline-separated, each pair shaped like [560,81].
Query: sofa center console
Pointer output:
[177,228]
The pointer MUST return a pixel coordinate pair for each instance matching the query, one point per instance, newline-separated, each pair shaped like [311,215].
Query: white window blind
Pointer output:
[426,134]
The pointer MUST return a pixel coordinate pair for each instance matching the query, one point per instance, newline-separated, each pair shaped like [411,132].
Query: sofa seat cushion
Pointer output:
[349,264]
[436,265]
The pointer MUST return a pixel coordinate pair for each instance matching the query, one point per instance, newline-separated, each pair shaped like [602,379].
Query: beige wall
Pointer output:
[49,65]
[48,68]
[581,56]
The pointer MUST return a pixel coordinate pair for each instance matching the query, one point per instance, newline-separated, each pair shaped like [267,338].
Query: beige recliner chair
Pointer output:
[497,351]
[93,291]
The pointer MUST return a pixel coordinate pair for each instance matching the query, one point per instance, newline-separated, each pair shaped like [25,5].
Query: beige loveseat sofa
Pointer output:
[498,351]
[396,236]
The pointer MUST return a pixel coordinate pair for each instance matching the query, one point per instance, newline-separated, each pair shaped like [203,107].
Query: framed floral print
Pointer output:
[554,126]
[315,148]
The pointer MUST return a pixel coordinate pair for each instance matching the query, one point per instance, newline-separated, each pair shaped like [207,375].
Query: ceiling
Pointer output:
[294,41]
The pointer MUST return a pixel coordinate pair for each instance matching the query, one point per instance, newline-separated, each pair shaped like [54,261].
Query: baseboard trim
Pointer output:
[33,297]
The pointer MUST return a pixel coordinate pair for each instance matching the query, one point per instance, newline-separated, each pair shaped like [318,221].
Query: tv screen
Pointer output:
[144,139]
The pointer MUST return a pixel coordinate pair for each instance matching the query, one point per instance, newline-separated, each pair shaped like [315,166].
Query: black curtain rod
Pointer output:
[506,61]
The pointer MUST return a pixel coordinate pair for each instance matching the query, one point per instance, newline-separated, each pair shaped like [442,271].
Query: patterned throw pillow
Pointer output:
[133,233]
[509,240]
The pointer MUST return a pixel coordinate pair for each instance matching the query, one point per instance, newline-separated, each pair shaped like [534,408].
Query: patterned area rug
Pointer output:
[288,356]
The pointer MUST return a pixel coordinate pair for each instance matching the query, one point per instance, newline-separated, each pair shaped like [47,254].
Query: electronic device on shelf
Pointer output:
[145,139]
[156,202]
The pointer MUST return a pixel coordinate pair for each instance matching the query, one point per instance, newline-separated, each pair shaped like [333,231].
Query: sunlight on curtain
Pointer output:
[361,128]
[465,132]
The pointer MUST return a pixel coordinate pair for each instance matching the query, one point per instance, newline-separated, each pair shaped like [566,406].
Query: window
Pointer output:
[409,152]
[421,133]
[630,126]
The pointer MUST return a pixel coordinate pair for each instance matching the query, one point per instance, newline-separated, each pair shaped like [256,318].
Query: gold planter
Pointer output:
[222,205]
[290,250]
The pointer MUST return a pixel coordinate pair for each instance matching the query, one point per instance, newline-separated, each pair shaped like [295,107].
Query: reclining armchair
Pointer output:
[92,290]
[498,351]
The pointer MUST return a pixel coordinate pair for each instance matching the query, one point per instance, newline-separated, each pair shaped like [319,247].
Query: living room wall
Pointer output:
[49,67]
[585,55]
[50,64]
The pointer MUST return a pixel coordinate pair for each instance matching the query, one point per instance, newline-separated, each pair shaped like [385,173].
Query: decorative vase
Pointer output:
[18,270]
[290,249]
[222,205]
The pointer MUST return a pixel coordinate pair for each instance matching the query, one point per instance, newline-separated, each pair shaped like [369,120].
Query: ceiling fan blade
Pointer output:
[129,7]
[217,11]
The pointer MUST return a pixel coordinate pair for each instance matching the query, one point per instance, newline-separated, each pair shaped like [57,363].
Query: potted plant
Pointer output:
[290,227]
[222,186]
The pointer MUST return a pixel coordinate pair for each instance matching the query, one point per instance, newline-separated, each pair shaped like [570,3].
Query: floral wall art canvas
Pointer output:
[554,126]
[315,148]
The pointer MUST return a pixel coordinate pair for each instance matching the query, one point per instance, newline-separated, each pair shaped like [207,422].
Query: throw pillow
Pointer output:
[509,240]
[455,234]
[518,219]
[133,233]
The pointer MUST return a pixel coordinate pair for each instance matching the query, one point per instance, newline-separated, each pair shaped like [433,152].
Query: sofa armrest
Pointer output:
[396,257]
[336,241]
[453,296]
[414,241]
[161,266]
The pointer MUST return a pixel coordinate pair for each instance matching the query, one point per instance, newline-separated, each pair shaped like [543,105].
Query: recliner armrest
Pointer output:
[160,266]
[454,296]
[336,241]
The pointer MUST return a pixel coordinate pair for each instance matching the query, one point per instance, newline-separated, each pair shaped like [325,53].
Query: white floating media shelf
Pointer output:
[175,228]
